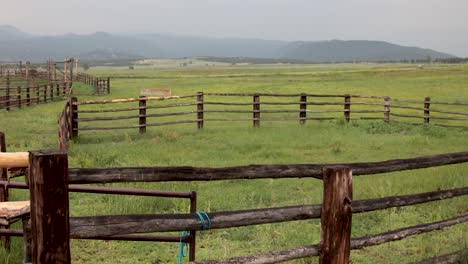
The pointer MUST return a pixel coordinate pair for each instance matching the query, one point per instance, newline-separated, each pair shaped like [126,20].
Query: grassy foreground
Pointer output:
[225,144]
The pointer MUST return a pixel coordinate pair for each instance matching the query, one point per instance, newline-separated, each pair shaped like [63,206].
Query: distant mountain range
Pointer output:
[16,45]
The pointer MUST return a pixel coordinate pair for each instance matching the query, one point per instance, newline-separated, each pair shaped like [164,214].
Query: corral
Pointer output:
[233,145]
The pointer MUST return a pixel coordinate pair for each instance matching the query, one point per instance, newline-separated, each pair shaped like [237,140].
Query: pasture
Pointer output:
[230,144]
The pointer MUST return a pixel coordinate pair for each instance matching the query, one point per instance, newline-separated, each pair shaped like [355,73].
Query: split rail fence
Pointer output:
[49,179]
[256,108]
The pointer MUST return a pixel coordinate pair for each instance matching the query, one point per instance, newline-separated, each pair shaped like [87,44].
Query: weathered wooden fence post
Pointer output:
[27,239]
[108,85]
[96,87]
[142,116]
[3,171]
[256,110]
[193,209]
[74,117]
[386,109]
[7,95]
[335,233]
[69,111]
[51,91]
[71,68]
[37,94]
[200,110]
[45,92]
[48,180]
[427,112]
[76,68]
[18,96]
[28,96]
[4,191]
[303,109]
[65,79]
[347,107]
[26,74]
[54,71]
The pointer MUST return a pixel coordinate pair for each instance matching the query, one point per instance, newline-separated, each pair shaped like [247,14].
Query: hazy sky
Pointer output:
[435,24]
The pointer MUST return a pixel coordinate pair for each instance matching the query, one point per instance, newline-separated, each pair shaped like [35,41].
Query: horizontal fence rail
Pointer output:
[186,173]
[124,224]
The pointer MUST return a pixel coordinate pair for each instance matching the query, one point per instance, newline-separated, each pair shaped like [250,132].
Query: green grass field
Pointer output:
[229,144]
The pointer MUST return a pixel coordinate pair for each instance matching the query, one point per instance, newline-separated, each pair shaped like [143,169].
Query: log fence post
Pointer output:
[427,112]
[57,89]
[200,107]
[336,215]
[45,93]
[7,95]
[256,110]
[386,109]
[142,115]
[51,91]
[64,89]
[65,71]
[71,60]
[50,226]
[108,85]
[27,239]
[192,244]
[74,117]
[28,96]
[37,94]
[303,108]
[4,191]
[18,96]
[347,107]
[96,87]
[27,71]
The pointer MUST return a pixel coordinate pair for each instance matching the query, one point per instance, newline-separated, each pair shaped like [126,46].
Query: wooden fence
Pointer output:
[210,107]
[16,93]
[6,185]
[101,85]
[335,212]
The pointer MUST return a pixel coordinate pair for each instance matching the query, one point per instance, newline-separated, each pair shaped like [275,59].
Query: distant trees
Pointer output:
[131,67]
[85,66]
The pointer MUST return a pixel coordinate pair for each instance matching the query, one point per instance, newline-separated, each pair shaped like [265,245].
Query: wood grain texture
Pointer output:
[49,207]
[14,159]
[336,217]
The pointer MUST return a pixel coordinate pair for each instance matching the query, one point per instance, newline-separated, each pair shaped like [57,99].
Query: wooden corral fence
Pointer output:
[51,70]
[101,85]
[208,107]
[48,170]
[16,93]
[21,160]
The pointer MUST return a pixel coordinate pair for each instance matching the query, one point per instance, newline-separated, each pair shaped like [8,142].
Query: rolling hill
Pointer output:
[17,45]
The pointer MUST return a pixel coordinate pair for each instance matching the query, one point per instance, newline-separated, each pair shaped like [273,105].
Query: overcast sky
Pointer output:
[437,24]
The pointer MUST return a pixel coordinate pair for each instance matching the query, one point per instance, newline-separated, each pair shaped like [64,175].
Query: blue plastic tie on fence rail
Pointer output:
[183,249]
